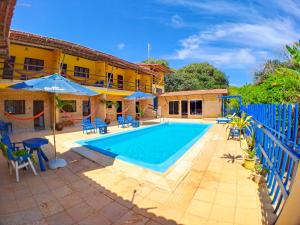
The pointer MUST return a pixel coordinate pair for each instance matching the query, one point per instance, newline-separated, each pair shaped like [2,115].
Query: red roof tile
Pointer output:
[6,12]
[195,92]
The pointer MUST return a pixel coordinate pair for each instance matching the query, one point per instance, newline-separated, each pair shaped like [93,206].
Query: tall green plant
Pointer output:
[59,103]
[140,110]
[241,122]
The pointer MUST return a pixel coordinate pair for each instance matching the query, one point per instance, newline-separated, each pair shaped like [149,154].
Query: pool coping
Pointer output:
[167,180]
[162,167]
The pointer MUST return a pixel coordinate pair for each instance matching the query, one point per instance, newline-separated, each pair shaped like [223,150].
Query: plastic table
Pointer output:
[35,144]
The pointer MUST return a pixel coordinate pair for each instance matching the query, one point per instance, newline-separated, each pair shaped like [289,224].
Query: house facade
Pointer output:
[32,56]
[192,104]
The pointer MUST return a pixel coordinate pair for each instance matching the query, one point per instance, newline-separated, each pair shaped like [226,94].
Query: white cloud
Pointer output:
[177,21]
[233,9]
[236,34]
[24,4]
[120,46]
[238,44]
[267,34]
[291,7]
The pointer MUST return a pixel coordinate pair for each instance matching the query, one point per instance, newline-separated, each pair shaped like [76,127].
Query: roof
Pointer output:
[157,67]
[6,12]
[195,92]
[29,39]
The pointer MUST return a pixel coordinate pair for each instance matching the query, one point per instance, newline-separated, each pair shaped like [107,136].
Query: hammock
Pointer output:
[124,111]
[78,118]
[27,118]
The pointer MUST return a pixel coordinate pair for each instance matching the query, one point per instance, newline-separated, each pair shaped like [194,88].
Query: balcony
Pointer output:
[13,73]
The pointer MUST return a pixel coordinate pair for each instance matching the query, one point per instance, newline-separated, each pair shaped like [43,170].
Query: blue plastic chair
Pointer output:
[100,125]
[87,126]
[132,122]
[122,122]
[18,162]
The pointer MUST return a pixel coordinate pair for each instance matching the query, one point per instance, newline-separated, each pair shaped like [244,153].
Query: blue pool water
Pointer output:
[155,147]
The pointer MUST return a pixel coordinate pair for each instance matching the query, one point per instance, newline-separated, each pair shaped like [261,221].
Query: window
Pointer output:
[110,79]
[109,104]
[63,68]
[174,108]
[138,83]
[69,105]
[31,64]
[153,79]
[81,72]
[159,91]
[196,107]
[14,106]
[120,82]
[8,69]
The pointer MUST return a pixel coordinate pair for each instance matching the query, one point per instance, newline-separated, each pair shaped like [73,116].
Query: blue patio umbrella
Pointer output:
[55,84]
[139,95]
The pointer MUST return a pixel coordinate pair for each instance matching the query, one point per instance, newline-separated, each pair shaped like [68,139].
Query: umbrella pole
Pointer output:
[54,122]
[56,162]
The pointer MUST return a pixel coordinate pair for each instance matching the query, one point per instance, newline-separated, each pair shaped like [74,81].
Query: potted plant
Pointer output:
[59,104]
[109,104]
[250,152]
[140,113]
[238,124]
[259,172]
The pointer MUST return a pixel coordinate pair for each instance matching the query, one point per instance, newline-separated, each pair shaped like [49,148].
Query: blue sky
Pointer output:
[235,36]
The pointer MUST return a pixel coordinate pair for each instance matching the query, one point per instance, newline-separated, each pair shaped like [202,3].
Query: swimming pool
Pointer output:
[155,147]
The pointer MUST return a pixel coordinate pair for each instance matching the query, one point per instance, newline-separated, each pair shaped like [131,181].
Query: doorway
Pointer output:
[38,107]
[184,108]
[119,109]
[86,109]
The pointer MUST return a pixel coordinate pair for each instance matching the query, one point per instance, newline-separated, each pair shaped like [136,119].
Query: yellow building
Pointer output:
[33,56]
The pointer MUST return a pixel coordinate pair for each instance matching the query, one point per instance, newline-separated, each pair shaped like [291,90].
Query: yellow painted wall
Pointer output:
[290,213]
[98,70]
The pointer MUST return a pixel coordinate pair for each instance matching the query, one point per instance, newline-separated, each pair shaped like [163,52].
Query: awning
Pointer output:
[110,91]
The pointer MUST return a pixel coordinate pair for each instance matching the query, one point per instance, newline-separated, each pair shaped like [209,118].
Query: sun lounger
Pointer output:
[225,119]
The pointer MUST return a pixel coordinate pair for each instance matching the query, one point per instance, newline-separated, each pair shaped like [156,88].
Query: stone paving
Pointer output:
[214,188]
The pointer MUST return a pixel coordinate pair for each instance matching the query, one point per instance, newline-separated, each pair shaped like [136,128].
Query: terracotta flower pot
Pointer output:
[257,178]
[249,163]
[59,126]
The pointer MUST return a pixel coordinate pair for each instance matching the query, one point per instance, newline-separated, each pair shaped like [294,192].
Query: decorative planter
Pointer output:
[249,163]
[59,126]
[257,178]
[234,132]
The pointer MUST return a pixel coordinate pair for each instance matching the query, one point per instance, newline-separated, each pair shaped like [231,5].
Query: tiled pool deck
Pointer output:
[208,185]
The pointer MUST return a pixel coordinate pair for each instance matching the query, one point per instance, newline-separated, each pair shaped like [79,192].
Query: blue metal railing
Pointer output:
[277,143]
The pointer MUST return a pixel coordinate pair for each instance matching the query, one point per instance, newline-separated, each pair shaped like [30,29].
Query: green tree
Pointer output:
[269,67]
[196,76]
[277,88]
[279,81]
[162,62]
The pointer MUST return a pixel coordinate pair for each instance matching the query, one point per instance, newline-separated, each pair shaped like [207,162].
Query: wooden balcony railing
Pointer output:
[12,72]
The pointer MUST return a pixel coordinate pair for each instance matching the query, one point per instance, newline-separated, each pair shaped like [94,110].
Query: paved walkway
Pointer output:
[216,189]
